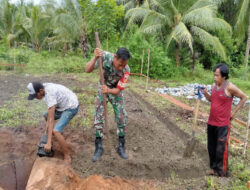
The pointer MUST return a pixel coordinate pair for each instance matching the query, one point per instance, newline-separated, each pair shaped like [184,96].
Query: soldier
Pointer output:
[116,73]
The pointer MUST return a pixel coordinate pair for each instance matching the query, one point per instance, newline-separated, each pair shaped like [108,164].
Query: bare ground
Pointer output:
[155,145]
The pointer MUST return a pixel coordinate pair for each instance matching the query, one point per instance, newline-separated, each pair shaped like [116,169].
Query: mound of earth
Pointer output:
[54,174]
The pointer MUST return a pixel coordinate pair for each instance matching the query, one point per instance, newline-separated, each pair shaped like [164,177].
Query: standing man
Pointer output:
[116,73]
[220,117]
[62,104]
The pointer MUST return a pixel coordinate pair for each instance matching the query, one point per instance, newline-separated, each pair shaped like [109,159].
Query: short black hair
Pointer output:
[123,53]
[224,71]
[37,86]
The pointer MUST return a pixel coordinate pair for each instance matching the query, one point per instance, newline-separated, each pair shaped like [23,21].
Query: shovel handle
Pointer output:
[195,116]
[98,45]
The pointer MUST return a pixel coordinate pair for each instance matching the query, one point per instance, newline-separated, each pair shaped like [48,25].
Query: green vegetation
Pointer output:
[184,37]
[15,113]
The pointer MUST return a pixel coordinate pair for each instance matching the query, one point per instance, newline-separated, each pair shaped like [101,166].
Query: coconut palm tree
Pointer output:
[240,22]
[10,21]
[68,24]
[36,25]
[198,20]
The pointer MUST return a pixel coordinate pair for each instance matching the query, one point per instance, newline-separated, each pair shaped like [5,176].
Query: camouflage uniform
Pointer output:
[113,79]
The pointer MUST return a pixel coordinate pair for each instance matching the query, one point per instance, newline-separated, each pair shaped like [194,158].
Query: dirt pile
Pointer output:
[17,154]
[54,174]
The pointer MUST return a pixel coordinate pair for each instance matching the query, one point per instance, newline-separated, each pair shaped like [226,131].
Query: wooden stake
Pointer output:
[142,59]
[248,125]
[106,127]
[15,57]
[148,68]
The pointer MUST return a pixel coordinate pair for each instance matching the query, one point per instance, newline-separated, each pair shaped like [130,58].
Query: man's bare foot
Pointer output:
[67,159]
[211,172]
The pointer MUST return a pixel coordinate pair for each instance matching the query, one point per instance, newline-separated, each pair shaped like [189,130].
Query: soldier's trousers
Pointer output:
[117,102]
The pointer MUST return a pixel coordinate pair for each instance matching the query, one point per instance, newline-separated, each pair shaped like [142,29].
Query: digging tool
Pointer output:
[98,45]
[191,144]
[41,152]
[248,126]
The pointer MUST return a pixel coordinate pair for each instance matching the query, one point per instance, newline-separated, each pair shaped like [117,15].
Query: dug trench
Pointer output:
[154,144]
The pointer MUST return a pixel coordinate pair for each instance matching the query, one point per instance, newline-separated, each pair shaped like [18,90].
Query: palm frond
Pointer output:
[152,23]
[210,41]
[169,39]
[146,4]
[155,4]
[242,14]
[182,35]
[205,18]
[219,2]
[122,2]
[202,3]
[136,15]
[156,20]
[175,10]
[130,5]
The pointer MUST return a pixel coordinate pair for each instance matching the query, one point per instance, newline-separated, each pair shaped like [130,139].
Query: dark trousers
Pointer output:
[217,145]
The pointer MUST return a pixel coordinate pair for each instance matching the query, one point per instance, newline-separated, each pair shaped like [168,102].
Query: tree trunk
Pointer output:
[84,44]
[247,48]
[38,48]
[177,56]
[193,57]
[65,48]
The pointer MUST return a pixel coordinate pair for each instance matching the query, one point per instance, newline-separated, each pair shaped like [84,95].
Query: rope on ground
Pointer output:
[188,108]
[13,65]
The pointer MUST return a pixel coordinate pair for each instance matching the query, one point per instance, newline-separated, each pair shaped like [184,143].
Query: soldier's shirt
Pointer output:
[112,77]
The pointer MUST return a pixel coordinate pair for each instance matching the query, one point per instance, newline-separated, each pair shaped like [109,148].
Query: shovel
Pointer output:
[191,144]
[106,126]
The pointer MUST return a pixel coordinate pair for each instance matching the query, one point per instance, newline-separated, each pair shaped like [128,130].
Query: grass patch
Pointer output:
[20,111]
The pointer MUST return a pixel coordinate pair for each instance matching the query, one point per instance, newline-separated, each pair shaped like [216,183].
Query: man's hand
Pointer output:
[204,90]
[98,53]
[104,89]
[91,64]
[47,147]
[232,116]
[235,91]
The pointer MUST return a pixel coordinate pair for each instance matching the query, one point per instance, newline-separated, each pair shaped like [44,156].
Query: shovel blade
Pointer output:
[190,148]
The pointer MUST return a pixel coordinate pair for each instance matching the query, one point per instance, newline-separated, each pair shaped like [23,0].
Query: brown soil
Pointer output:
[54,174]
[155,145]
[154,151]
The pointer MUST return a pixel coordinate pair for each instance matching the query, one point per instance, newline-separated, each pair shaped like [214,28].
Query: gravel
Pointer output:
[190,91]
